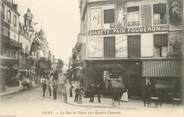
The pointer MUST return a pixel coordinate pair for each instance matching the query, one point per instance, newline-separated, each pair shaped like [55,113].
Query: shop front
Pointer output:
[9,70]
[124,74]
[165,77]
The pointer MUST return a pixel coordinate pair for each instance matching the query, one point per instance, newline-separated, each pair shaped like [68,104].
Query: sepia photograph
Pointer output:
[91,58]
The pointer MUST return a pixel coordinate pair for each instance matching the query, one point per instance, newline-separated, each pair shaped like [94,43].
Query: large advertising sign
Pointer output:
[129,30]
[147,45]
[95,19]
[121,46]
[95,46]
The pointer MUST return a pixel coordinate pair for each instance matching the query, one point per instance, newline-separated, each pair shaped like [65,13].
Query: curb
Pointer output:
[110,106]
[10,93]
[16,91]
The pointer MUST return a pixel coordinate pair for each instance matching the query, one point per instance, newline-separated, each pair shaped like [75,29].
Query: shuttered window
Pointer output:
[160,40]
[159,14]
[160,45]
[133,16]
[109,16]
[146,15]
[134,46]
[109,47]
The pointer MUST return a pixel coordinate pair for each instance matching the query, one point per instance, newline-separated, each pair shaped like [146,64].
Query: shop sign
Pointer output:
[129,30]
[110,65]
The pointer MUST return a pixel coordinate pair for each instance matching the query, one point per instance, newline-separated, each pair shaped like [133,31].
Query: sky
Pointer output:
[60,19]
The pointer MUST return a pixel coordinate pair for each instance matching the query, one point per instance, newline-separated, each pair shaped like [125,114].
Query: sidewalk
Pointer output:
[107,103]
[12,90]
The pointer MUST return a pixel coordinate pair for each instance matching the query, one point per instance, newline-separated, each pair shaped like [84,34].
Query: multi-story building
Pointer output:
[25,61]
[9,43]
[129,41]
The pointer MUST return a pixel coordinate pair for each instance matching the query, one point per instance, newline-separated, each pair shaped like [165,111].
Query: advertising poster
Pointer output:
[95,46]
[95,18]
[121,46]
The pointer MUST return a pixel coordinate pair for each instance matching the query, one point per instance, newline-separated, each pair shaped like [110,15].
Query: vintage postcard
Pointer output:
[91,58]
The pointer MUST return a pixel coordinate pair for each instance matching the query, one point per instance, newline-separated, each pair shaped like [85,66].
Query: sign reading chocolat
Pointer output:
[128,30]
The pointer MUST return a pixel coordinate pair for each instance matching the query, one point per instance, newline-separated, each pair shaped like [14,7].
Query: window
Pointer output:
[15,20]
[109,47]
[9,16]
[159,14]
[134,46]
[160,45]
[3,11]
[133,16]
[108,16]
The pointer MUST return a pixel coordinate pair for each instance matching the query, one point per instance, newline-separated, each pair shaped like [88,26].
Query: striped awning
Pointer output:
[162,68]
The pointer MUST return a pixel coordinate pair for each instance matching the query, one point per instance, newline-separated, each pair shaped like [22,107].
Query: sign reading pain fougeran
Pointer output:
[128,30]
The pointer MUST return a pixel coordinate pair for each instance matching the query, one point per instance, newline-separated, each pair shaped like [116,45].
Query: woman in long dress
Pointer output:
[124,96]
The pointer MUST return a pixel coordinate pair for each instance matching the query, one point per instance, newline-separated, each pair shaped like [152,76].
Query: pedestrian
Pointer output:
[147,93]
[91,92]
[44,85]
[50,77]
[98,92]
[109,87]
[55,87]
[55,84]
[124,96]
[77,91]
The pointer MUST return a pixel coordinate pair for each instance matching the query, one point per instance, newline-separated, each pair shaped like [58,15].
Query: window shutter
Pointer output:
[109,47]
[160,40]
[109,16]
[146,15]
[134,46]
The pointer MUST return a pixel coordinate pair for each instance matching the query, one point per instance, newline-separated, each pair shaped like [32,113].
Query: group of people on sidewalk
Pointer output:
[54,82]
[96,90]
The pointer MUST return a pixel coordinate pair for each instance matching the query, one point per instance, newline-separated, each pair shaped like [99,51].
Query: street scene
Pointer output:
[92,58]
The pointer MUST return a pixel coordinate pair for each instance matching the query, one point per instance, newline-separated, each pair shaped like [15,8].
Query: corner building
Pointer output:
[129,41]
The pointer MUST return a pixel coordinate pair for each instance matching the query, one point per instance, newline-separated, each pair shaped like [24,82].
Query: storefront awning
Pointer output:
[162,68]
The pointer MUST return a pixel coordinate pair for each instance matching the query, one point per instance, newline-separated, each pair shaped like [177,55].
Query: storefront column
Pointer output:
[2,81]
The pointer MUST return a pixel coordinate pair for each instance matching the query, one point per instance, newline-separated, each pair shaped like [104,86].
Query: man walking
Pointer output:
[91,92]
[98,92]
[44,85]
[55,85]
[50,77]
